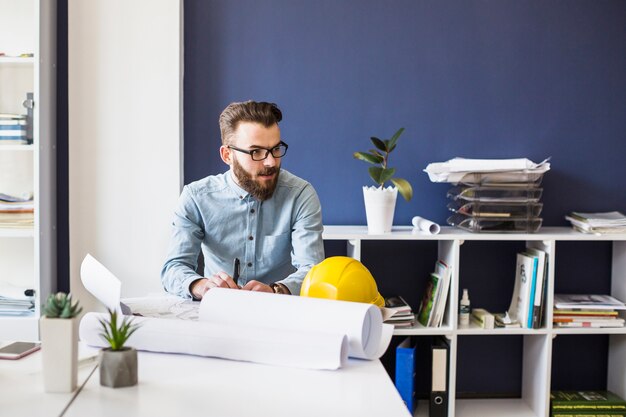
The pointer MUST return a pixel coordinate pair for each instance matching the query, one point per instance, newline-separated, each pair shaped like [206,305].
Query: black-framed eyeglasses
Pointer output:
[260,154]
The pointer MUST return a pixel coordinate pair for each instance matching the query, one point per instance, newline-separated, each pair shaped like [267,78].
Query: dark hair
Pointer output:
[267,114]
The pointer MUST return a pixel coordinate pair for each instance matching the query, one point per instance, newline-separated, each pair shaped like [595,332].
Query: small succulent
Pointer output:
[60,306]
[116,335]
[380,156]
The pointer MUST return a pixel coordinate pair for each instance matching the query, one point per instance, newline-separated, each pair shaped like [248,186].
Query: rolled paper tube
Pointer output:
[426,225]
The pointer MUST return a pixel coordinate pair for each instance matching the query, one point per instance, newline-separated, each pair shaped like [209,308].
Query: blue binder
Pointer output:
[405,373]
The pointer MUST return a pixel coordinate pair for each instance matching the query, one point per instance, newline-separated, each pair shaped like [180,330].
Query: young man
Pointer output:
[266,218]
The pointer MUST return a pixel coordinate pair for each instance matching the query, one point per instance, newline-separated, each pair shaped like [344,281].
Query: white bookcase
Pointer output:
[28,256]
[537,343]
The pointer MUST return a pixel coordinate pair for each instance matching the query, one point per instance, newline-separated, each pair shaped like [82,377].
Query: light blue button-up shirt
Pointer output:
[276,240]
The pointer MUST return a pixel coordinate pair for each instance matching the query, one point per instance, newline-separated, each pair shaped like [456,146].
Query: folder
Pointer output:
[405,373]
[438,406]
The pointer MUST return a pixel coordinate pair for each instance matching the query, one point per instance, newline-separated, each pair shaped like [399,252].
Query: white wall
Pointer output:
[125,103]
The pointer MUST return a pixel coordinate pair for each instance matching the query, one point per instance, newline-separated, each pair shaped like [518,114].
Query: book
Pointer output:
[581,401]
[405,373]
[444,272]
[523,300]
[424,314]
[542,272]
[397,304]
[587,301]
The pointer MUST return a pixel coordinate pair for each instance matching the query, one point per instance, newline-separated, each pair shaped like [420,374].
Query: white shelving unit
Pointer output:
[537,343]
[28,256]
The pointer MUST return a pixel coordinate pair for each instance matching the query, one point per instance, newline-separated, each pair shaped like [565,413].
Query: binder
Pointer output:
[405,373]
[438,406]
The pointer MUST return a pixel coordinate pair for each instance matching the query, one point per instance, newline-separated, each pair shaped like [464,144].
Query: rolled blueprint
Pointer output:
[368,337]
[426,225]
[250,343]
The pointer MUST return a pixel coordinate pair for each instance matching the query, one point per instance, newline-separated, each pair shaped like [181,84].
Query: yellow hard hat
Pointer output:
[341,278]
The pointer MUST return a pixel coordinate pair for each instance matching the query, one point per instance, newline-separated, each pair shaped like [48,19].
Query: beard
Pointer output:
[259,190]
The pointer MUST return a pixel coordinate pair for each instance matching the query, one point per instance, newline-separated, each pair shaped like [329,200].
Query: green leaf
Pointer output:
[404,188]
[386,175]
[375,173]
[376,152]
[379,144]
[394,139]
[372,159]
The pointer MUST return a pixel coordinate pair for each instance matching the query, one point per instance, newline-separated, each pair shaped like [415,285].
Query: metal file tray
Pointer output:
[495,225]
[527,178]
[496,194]
[491,210]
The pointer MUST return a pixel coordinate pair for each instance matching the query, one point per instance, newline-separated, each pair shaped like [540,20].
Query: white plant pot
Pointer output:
[380,205]
[59,348]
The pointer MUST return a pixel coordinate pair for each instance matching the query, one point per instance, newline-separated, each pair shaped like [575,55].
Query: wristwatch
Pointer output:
[279,288]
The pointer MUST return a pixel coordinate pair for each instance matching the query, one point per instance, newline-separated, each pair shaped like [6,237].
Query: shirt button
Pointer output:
[250,237]
[241,197]
[249,264]
[251,210]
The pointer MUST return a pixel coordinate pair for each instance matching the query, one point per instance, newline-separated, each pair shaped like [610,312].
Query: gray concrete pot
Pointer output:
[118,368]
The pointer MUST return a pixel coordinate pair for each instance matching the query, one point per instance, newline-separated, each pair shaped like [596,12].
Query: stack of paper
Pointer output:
[609,222]
[16,301]
[498,170]
[16,212]
[398,312]
[587,310]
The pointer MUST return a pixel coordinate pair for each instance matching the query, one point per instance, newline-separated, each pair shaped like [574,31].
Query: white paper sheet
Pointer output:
[271,346]
[361,323]
[101,283]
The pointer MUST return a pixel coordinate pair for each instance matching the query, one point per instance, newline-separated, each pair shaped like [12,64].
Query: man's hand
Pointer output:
[257,286]
[221,280]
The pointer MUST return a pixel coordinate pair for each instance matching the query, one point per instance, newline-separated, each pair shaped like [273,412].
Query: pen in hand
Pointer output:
[236,271]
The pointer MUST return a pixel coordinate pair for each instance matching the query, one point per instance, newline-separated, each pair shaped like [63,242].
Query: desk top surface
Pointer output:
[182,385]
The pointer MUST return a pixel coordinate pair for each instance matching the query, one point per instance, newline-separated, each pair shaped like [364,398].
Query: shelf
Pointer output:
[17,147]
[471,266]
[6,232]
[515,407]
[452,233]
[11,60]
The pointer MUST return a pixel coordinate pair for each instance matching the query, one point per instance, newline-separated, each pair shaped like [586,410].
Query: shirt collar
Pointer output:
[240,192]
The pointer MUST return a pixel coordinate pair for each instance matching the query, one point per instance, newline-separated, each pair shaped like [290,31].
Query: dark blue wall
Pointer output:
[482,79]
[479,79]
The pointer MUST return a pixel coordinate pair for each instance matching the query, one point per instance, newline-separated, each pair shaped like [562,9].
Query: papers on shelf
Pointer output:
[248,326]
[587,302]
[607,222]
[455,169]
[15,300]
[16,212]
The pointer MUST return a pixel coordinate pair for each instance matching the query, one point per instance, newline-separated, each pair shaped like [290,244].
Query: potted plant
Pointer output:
[380,202]
[118,363]
[58,328]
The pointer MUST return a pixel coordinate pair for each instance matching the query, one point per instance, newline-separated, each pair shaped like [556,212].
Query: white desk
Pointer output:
[188,386]
[180,385]
[21,388]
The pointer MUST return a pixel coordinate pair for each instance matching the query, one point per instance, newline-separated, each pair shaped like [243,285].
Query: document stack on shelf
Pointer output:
[586,403]
[587,310]
[13,129]
[609,222]
[398,312]
[433,306]
[493,195]
[16,301]
[16,212]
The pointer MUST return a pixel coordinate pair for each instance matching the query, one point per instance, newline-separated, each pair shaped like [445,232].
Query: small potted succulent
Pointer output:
[118,363]
[380,202]
[58,328]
